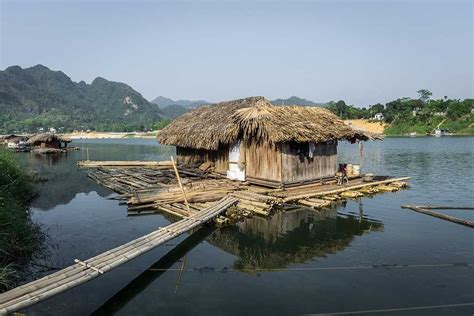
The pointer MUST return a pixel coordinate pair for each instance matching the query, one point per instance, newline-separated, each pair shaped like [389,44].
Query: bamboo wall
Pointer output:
[271,165]
[219,157]
[298,166]
[263,162]
[52,144]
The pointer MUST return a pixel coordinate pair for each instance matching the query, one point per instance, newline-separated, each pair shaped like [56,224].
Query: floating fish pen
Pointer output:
[263,155]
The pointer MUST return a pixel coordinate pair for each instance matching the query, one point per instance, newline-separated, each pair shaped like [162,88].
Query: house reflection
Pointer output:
[60,180]
[294,236]
[290,237]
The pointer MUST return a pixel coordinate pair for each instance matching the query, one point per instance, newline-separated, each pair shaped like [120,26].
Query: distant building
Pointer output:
[17,142]
[378,117]
[4,139]
[52,130]
[439,114]
[52,141]
[415,111]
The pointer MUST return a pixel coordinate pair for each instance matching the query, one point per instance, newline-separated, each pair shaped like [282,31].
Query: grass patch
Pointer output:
[422,125]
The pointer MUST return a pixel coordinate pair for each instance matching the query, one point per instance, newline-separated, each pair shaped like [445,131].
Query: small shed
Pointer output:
[53,141]
[17,142]
[5,138]
[250,139]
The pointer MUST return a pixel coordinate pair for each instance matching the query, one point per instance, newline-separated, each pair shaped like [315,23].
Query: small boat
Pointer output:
[438,132]
[413,134]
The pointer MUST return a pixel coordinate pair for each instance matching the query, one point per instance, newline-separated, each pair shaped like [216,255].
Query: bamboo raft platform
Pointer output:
[152,187]
[83,271]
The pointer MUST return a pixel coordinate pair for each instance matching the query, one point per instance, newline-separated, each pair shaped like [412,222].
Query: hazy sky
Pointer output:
[359,51]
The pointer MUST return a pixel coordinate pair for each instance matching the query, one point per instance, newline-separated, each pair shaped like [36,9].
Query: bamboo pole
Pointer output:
[452,219]
[181,186]
[347,188]
[442,207]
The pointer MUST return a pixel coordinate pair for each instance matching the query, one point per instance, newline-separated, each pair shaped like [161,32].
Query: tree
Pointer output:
[424,95]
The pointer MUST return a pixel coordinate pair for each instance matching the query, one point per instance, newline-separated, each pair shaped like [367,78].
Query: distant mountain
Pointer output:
[37,97]
[296,101]
[164,102]
[174,110]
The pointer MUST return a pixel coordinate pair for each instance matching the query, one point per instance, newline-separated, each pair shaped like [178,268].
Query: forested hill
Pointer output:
[421,115]
[294,100]
[38,97]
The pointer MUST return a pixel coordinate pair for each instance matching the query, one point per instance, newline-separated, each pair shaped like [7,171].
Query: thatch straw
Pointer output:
[46,138]
[255,119]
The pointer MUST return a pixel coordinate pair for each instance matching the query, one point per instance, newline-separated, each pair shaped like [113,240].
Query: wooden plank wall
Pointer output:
[198,156]
[297,166]
[263,161]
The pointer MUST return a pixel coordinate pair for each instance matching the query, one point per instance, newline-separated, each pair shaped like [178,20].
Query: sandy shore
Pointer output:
[367,126]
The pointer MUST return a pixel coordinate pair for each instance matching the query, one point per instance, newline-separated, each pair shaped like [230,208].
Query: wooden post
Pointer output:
[87,151]
[181,186]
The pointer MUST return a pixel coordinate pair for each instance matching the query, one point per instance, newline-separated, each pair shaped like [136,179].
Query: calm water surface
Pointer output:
[362,255]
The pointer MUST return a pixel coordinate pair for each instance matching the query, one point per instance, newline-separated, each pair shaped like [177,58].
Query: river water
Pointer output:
[367,255]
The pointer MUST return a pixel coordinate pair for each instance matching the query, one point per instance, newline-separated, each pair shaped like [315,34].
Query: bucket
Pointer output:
[349,169]
[356,170]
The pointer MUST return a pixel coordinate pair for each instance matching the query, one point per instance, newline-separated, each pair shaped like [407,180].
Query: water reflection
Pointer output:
[64,180]
[294,236]
[140,283]
[60,179]
[290,237]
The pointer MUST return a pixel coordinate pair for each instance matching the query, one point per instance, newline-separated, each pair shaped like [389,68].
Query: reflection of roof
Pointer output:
[64,181]
[257,247]
[256,119]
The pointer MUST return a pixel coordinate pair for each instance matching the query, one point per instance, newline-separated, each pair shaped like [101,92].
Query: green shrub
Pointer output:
[20,237]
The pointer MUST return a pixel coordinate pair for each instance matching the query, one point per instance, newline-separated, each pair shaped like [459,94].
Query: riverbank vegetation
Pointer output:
[20,237]
[422,115]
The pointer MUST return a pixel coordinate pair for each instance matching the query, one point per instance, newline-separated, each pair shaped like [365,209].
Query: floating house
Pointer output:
[5,138]
[48,143]
[19,143]
[252,140]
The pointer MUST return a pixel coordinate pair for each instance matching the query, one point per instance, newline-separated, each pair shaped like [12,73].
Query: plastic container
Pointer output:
[356,170]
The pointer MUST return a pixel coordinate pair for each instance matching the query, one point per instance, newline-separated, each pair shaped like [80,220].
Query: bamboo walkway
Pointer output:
[83,271]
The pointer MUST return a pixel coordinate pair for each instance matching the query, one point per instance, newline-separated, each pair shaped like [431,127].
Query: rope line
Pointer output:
[469,265]
[390,310]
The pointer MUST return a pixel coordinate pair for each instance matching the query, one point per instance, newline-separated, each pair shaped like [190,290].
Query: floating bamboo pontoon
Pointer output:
[83,271]
[151,187]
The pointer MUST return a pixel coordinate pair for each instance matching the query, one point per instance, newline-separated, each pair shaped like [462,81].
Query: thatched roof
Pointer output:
[46,138]
[17,139]
[7,137]
[256,119]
